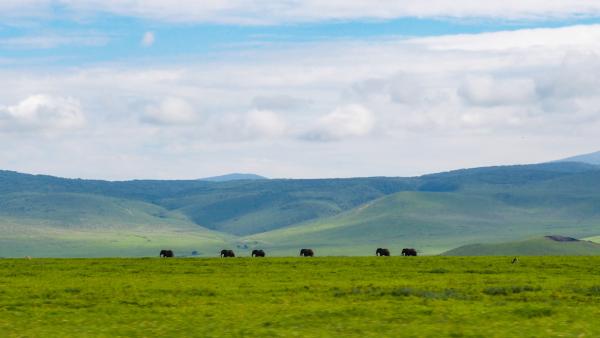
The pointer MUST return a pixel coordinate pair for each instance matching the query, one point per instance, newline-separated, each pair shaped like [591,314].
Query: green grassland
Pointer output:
[310,297]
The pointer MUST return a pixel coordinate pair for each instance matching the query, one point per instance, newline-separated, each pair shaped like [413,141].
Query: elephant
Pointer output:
[307,252]
[166,253]
[227,253]
[382,252]
[258,253]
[409,252]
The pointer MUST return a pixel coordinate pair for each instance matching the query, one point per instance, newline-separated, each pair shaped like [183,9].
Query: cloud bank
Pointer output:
[331,108]
[42,112]
[277,12]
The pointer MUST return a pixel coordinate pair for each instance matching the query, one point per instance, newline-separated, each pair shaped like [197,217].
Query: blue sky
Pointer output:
[180,89]
[111,37]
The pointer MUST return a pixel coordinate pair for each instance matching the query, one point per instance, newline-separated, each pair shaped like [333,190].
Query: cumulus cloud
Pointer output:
[170,111]
[148,39]
[574,77]
[346,121]
[43,112]
[252,125]
[264,123]
[489,91]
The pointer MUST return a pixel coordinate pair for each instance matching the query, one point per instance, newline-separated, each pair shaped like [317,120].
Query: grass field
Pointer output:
[311,297]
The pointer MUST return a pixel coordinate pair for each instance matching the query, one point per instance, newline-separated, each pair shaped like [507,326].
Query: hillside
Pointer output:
[69,224]
[591,158]
[237,207]
[545,246]
[435,222]
[595,239]
[433,213]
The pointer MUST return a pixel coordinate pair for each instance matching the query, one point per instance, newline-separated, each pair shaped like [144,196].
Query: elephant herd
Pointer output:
[303,253]
[386,252]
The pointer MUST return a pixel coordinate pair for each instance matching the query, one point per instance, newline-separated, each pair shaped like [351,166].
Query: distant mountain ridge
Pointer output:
[591,158]
[233,177]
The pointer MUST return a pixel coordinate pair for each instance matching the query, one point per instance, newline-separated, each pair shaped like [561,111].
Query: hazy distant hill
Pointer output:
[592,158]
[69,217]
[544,246]
[233,177]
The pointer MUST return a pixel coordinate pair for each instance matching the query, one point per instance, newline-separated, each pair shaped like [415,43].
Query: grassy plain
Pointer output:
[310,297]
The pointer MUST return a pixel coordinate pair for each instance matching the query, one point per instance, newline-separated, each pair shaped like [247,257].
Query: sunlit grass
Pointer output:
[308,297]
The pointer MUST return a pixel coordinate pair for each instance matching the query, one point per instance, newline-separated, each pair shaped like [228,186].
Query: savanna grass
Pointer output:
[304,297]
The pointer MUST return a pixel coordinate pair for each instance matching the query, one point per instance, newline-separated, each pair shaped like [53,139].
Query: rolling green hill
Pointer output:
[51,216]
[74,224]
[76,210]
[237,207]
[435,222]
[595,239]
[534,247]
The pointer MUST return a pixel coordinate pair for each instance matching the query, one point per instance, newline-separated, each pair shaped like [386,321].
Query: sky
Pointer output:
[182,89]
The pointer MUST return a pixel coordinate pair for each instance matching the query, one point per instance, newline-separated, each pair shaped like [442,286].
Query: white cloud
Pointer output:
[261,12]
[534,99]
[579,36]
[148,39]
[170,111]
[264,123]
[48,41]
[43,112]
[488,91]
[279,102]
[252,125]
[346,121]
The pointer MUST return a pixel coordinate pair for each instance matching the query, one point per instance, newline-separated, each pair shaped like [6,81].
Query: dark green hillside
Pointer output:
[71,210]
[502,176]
[258,206]
[236,207]
[534,247]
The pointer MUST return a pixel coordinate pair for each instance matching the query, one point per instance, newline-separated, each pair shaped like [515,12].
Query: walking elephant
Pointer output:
[382,252]
[409,252]
[307,252]
[166,253]
[258,253]
[227,253]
